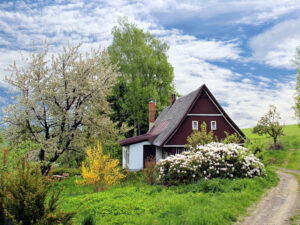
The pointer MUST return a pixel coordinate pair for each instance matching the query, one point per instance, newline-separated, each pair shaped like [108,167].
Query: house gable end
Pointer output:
[204,105]
[204,108]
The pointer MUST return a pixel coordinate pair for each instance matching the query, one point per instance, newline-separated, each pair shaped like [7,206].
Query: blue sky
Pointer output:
[242,50]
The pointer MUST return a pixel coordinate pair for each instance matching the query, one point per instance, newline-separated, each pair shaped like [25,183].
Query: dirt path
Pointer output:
[279,205]
[292,171]
[288,158]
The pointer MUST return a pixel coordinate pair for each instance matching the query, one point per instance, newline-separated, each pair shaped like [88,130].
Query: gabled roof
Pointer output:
[169,121]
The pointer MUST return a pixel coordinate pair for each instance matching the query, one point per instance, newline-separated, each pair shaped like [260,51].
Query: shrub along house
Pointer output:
[168,133]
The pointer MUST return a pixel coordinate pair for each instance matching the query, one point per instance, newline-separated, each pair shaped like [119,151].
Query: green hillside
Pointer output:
[290,140]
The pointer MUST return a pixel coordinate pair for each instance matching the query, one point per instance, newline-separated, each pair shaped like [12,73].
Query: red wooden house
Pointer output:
[168,133]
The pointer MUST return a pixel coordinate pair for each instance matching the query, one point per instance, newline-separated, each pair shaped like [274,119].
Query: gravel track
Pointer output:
[278,205]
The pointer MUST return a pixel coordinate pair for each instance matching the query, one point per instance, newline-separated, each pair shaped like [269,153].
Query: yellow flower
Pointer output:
[99,169]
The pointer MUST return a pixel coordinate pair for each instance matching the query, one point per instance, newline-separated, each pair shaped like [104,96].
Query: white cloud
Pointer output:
[242,12]
[277,46]
[246,100]
[91,22]
[257,12]
[211,50]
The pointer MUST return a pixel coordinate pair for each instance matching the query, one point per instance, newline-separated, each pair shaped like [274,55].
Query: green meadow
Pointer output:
[290,141]
[217,201]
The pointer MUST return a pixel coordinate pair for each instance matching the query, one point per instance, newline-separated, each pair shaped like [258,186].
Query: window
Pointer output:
[195,125]
[179,150]
[213,125]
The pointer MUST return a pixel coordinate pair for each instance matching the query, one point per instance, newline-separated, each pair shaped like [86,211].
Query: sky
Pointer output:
[242,50]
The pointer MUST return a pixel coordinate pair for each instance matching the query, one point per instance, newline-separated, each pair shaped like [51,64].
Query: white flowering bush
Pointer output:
[209,161]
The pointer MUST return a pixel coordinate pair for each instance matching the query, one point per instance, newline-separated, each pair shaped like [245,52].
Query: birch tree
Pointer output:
[61,101]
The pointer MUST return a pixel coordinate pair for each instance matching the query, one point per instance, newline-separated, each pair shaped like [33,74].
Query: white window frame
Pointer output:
[179,150]
[194,127]
[211,125]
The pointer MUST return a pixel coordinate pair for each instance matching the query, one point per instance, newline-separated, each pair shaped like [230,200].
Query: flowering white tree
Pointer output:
[60,101]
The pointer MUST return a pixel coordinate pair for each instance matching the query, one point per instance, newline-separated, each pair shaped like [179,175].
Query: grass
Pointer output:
[294,160]
[290,140]
[217,201]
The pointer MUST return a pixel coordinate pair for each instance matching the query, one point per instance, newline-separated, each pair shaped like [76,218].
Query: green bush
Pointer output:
[27,198]
[149,171]
[256,147]
[61,170]
[199,137]
[89,220]
[233,138]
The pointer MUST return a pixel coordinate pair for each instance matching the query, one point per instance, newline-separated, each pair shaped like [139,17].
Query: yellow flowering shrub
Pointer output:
[99,169]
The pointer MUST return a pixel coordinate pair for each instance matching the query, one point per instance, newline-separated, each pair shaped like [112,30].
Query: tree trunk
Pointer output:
[275,140]
[45,169]
[68,159]
[42,155]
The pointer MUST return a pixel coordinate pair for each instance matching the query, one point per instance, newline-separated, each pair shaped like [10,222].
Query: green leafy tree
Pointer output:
[269,124]
[201,137]
[62,101]
[146,75]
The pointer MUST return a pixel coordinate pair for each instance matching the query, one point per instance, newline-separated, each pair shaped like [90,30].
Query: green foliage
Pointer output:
[217,201]
[232,138]
[27,197]
[256,147]
[89,220]
[61,170]
[149,171]
[294,160]
[291,140]
[146,75]
[201,137]
[269,124]
[15,153]
[114,150]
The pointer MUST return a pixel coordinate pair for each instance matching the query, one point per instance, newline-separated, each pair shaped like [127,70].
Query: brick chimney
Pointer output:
[151,114]
[172,99]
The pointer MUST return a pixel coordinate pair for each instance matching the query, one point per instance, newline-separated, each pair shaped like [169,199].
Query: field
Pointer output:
[290,140]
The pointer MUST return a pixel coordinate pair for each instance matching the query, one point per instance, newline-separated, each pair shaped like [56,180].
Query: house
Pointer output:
[168,133]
